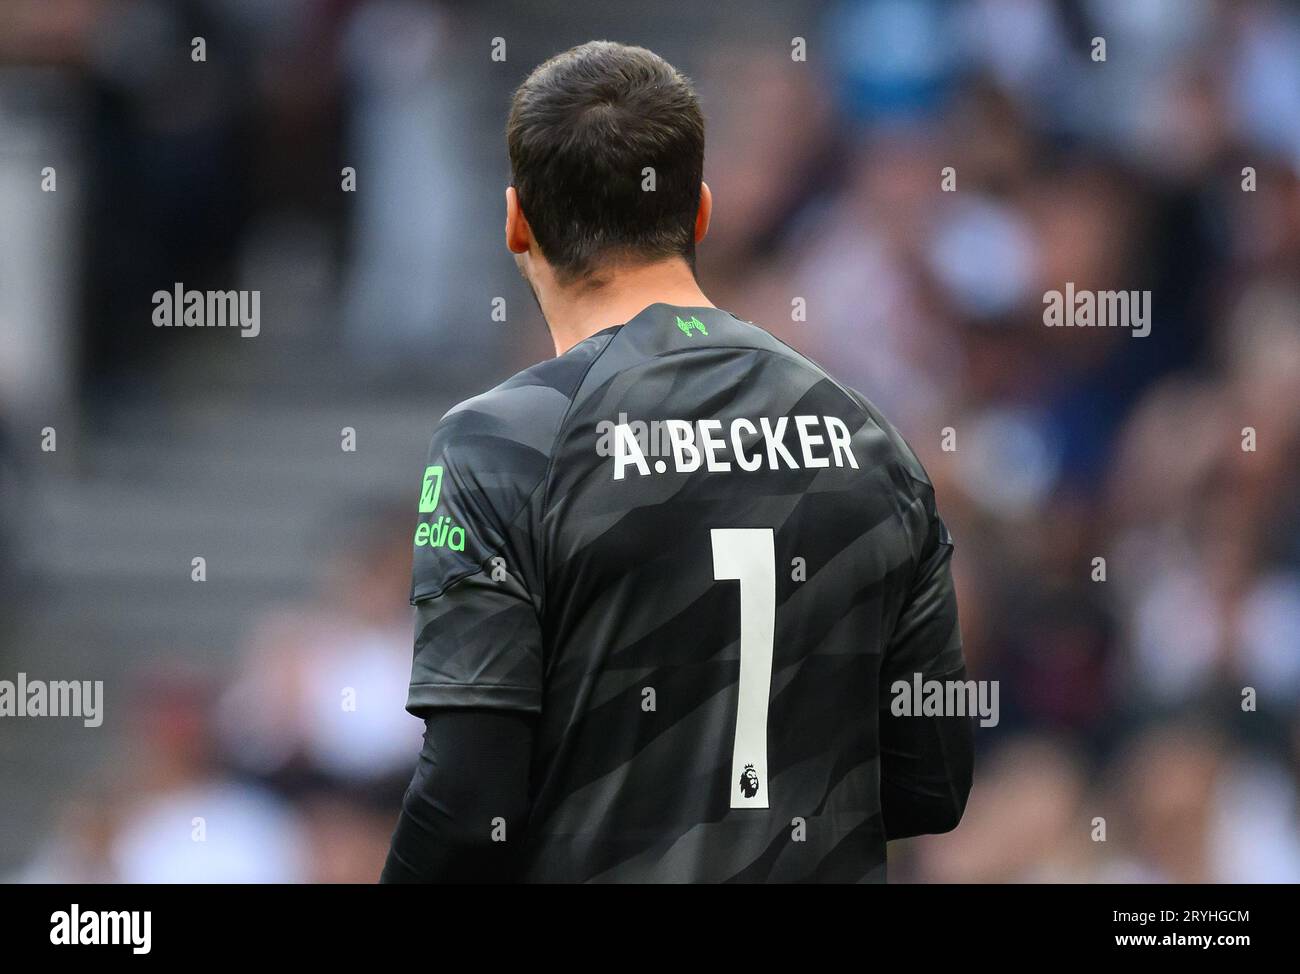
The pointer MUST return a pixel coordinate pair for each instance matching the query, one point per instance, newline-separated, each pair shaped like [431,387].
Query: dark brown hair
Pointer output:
[582,130]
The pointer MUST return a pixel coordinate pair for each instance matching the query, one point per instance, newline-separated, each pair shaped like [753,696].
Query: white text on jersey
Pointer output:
[824,441]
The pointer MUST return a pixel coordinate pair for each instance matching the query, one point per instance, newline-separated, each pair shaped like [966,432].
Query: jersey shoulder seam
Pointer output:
[545,483]
[564,420]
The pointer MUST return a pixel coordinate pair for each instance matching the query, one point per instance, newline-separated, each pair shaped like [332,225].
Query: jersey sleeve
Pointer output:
[478,568]
[478,640]
[926,762]
[926,637]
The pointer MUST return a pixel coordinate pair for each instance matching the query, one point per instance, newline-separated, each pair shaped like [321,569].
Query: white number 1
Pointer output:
[748,556]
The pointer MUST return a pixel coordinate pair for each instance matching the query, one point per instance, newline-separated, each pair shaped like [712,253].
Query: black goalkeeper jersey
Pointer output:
[701,563]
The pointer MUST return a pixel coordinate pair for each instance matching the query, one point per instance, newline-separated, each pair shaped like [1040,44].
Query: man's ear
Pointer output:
[518,234]
[704,213]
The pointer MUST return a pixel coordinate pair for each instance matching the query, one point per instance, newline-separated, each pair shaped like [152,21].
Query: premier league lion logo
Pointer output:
[749,781]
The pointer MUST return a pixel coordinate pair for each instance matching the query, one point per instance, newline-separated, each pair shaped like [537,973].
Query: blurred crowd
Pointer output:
[1149,723]
[290,770]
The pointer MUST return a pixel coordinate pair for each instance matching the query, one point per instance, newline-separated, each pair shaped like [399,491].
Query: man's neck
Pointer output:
[576,313]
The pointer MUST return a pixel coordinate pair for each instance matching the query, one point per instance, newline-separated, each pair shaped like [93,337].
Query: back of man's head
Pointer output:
[606,146]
